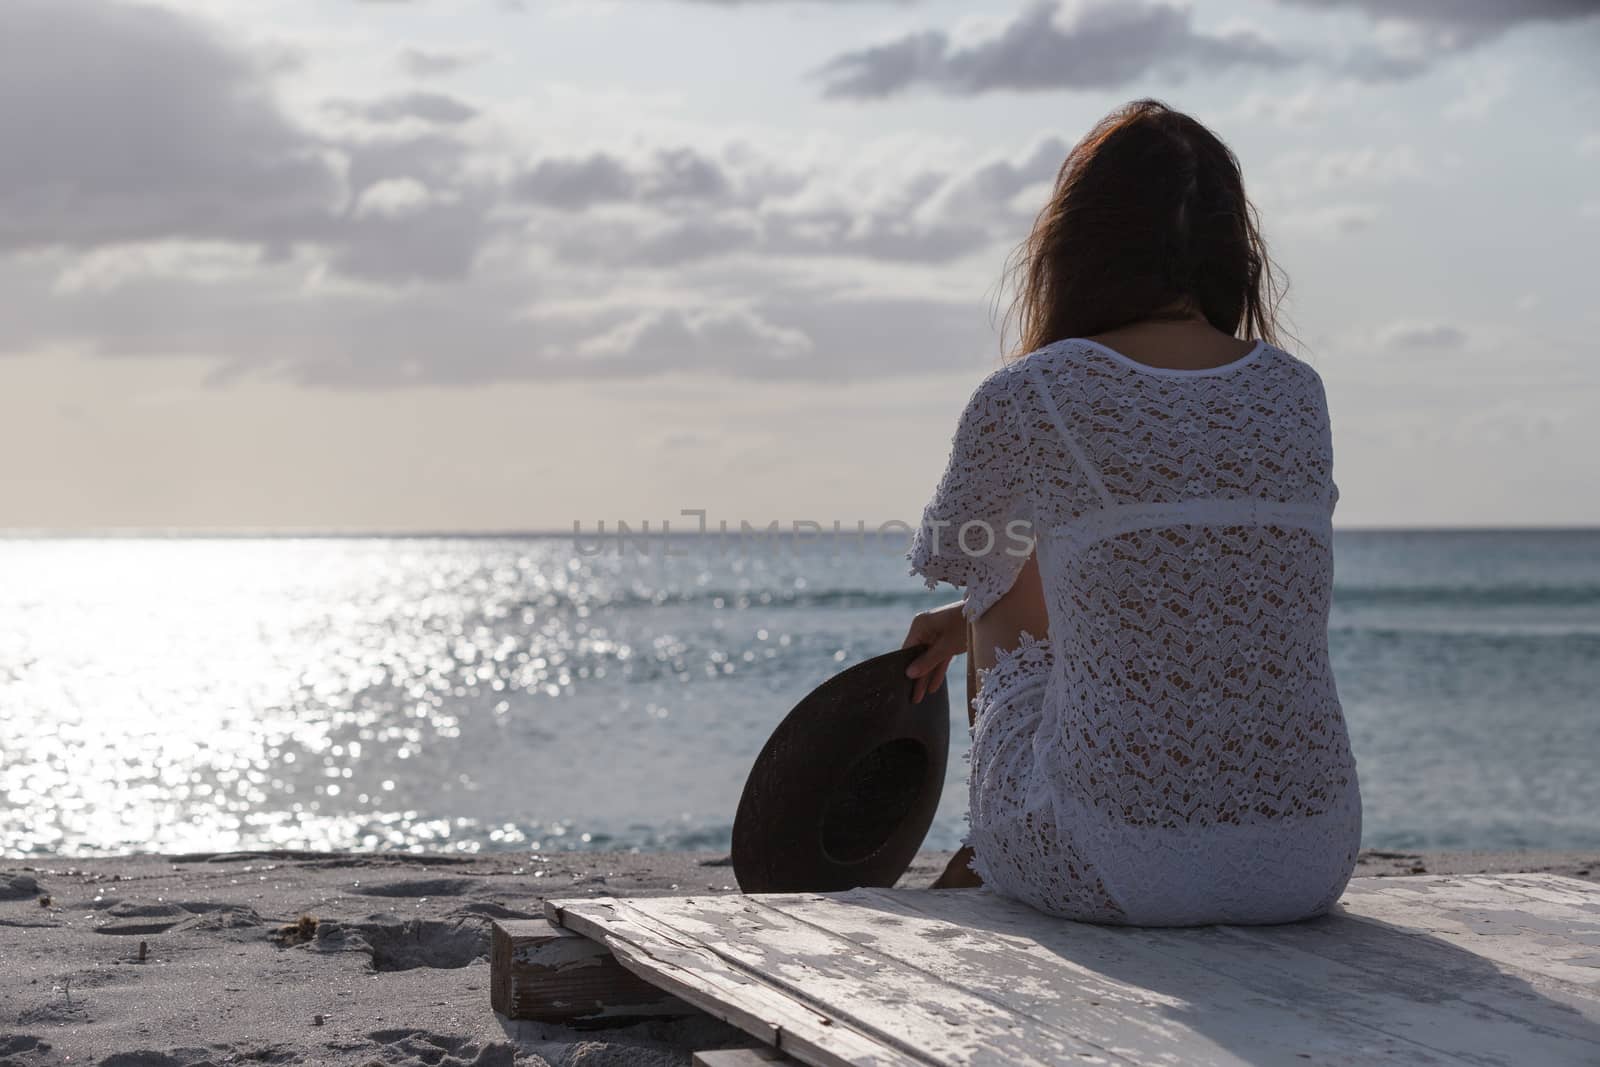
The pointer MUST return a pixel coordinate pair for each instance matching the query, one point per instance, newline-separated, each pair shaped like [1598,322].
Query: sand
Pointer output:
[394,973]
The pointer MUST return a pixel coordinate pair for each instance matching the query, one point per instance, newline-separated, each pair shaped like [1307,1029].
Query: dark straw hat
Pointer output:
[847,786]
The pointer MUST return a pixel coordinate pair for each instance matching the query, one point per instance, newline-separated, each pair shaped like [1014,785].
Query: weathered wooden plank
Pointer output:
[691,971]
[1117,987]
[740,1057]
[1434,992]
[1464,1007]
[1557,896]
[1397,974]
[1554,888]
[540,971]
[1552,934]
[1432,1002]
[873,992]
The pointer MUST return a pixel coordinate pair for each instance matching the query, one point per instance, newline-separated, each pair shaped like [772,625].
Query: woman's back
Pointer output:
[1190,722]
[1188,570]
[1174,753]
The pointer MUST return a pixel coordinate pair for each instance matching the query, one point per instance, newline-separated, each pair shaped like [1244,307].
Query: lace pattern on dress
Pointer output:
[1183,703]
[975,533]
[1014,831]
[1028,664]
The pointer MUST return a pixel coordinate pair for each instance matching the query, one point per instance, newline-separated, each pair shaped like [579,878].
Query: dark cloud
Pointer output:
[994,183]
[721,209]
[202,152]
[438,108]
[412,235]
[197,217]
[1099,44]
[265,326]
[123,122]
[883,236]
[412,216]
[575,183]
[433,158]
[1106,44]
[685,174]
[1436,30]
[1463,21]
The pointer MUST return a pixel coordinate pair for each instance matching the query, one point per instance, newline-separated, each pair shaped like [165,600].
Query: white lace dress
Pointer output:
[1174,753]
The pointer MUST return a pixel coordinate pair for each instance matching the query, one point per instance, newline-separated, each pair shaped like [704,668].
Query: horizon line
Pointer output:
[292,533]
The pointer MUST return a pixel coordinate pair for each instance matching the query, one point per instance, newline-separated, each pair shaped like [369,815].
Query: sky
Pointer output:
[495,265]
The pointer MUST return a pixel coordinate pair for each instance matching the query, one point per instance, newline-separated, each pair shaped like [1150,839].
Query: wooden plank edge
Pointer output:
[794,1027]
[1075,1043]
[542,972]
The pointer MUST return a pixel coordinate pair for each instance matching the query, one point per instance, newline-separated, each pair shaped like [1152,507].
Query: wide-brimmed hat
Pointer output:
[847,786]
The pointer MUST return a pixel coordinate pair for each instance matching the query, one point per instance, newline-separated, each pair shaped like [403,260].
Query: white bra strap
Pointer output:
[1039,387]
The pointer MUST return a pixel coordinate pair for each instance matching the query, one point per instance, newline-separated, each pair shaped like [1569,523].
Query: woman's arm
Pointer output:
[944,632]
[1021,608]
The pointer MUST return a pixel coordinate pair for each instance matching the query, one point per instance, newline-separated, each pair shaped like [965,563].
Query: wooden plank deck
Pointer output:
[1482,970]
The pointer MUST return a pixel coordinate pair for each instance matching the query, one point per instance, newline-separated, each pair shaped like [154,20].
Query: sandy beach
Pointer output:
[395,971]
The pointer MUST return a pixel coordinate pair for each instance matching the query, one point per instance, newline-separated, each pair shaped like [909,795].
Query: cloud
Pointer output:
[1461,23]
[423,106]
[1102,44]
[575,184]
[264,322]
[379,243]
[203,153]
[685,174]
[1096,44]
[747,203]
[401,231]
[1415,34]
[677,242]
[433,157]
[1426,336]
[671,174]
[993,183]
[199,151]
[792,336]
[726,339]
[437,62]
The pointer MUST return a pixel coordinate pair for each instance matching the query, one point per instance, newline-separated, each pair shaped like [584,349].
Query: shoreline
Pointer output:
[395,973]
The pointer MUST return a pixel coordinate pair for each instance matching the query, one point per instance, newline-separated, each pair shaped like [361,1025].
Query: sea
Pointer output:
[555,692]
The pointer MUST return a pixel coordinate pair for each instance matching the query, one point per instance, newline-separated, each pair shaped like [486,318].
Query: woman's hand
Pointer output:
[944,631]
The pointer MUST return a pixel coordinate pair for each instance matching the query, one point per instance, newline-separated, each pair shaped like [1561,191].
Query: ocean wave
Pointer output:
[1510,594]
[1344,596]
[741,598]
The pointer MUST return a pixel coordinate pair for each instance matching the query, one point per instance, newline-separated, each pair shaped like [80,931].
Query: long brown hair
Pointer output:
[1148,220]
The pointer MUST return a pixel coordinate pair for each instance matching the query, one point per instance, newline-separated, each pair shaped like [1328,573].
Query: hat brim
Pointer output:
[847,786]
